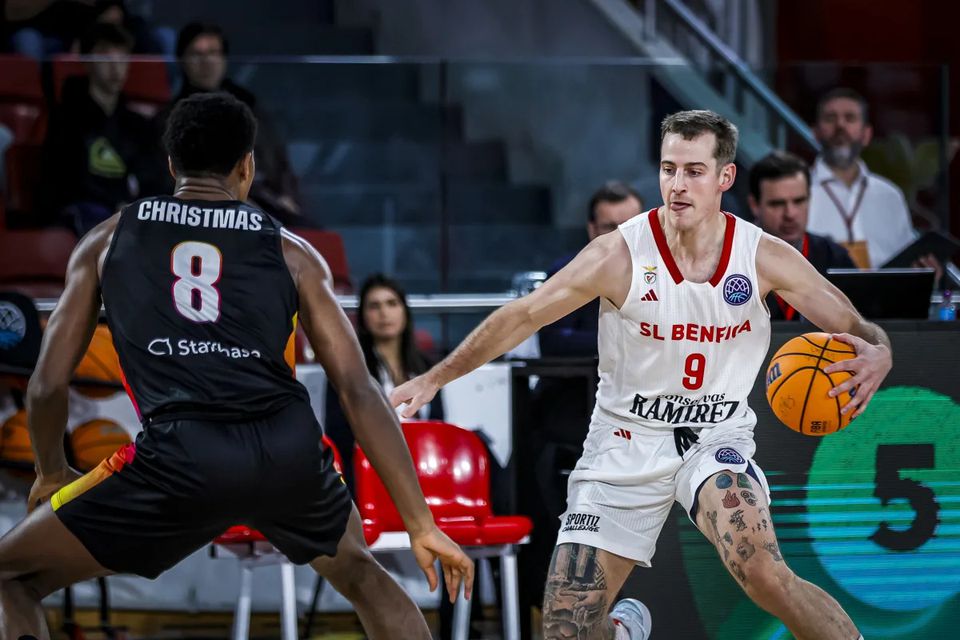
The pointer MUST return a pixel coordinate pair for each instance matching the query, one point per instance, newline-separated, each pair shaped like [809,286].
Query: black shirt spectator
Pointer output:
[98,154]
[780,200]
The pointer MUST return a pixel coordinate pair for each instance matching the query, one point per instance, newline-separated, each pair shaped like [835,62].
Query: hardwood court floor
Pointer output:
[168,625]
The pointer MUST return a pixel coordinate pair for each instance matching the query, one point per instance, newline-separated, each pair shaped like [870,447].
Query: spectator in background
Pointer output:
[202,53]
[386,336]
[848,203]
[98,153]
[780,201]
[14,10]
[576,335]
[60,27]
[146,40]
[44,27]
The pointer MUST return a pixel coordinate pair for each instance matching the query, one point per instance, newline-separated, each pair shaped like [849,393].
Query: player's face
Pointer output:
[108,73]
[610,215]
[383,313]
[783,207]
[204,63]
[690,181]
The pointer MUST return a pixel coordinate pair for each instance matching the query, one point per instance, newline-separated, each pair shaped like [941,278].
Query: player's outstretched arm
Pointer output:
[602,269]
[65,340]
[785,271]
[373,421]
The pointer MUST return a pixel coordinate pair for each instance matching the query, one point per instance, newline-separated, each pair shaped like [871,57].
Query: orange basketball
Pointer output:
[15,439]
[96,440]
[797,386]
[99,363]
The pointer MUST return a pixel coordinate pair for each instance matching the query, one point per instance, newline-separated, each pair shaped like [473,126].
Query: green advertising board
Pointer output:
[870,514]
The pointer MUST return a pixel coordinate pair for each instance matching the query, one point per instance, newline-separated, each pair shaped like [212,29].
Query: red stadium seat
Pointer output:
[424,342]
[454,471]
[20,79]
[148,80]
[21,99]
[34,262]
[25,120]
[330,246]
[254,550]
[23,177]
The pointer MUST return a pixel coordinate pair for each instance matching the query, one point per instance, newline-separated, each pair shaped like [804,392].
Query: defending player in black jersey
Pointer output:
[203,294]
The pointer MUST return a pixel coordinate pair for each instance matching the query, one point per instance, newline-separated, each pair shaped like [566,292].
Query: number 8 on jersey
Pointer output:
[198,266]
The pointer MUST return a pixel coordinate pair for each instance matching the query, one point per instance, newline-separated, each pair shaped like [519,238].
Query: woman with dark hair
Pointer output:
[386,336]
[385,332]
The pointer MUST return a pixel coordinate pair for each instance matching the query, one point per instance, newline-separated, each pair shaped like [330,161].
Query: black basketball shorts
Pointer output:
[185,481]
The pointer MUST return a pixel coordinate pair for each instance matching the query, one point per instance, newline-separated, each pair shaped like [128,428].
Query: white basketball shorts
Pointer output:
[624,486]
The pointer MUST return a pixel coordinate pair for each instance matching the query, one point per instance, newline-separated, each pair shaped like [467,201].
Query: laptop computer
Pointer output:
[884,294]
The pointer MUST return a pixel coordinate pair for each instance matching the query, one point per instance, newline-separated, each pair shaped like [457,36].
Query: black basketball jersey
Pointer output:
[202,308]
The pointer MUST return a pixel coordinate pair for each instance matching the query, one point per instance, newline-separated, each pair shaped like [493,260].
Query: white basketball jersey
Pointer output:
[680,353]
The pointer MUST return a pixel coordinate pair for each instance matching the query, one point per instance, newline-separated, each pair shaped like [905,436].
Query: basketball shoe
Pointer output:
[632,615]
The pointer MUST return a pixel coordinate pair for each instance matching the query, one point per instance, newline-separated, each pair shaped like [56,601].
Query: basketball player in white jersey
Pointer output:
[683,333]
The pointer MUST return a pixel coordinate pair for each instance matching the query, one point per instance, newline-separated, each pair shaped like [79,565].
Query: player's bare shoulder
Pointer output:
[778,262]
[302,259]
[607,261]
[95,245]
[781,266]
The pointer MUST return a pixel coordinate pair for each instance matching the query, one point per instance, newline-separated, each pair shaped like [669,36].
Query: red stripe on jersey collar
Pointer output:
[661,239]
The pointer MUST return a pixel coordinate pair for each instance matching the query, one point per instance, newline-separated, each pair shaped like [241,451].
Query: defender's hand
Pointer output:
[869,368]
[414,393]
[457,566]
[45,486]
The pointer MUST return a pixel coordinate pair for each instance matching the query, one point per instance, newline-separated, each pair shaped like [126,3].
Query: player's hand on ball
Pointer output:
[414,393]
[47,485]
[457,566]
[869,368]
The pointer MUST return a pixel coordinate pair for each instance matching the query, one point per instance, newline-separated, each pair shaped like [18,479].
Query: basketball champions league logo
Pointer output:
[13,325]
[737,289]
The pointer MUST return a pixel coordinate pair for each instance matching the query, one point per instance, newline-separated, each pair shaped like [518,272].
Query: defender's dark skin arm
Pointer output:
[373,421]
[65,340]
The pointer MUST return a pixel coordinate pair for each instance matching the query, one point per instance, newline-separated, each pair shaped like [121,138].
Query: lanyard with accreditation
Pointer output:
[856,248]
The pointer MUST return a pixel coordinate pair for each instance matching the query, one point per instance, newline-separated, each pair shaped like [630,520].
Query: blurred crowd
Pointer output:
[84,139]
[81,138]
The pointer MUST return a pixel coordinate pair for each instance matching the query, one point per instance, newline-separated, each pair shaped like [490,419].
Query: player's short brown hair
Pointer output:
[691,124]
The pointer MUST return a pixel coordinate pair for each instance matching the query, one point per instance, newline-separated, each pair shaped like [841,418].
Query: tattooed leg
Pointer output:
[735,516]
[582,584]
